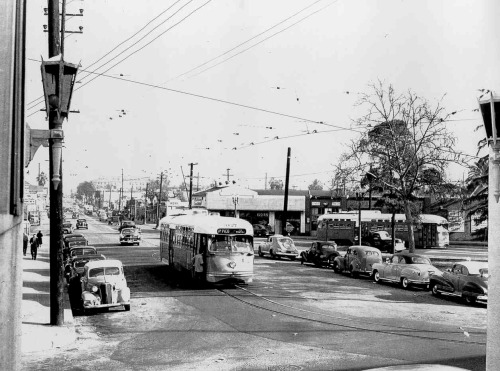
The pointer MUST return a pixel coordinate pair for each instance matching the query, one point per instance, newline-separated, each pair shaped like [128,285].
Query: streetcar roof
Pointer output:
[209,224]
[376,215]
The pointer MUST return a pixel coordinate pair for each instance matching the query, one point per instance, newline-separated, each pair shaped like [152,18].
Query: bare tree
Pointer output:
[406,144]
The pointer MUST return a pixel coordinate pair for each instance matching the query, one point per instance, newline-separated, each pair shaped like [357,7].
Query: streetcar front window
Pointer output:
[230,244]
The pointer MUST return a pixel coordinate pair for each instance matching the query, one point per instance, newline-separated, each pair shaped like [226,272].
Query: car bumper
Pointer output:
[130,240]
[247,277]
[287,254]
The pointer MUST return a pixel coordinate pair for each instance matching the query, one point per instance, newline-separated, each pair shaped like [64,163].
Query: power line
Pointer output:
[143,37]
[260,42]
[219,101]
[136,51]
[245,42]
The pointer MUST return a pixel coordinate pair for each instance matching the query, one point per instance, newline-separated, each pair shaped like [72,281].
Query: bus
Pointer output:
[430,230]
[225,243]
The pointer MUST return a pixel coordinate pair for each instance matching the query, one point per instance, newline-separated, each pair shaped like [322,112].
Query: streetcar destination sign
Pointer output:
[231,231]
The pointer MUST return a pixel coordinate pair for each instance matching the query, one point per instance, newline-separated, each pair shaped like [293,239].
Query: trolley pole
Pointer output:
[287,182]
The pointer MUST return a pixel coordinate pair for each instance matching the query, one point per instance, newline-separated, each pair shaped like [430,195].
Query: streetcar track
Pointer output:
[353,327]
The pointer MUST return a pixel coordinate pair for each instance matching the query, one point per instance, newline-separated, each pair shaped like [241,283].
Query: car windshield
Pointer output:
[324,248]
[484,272]
[230,244]
[128,230]
[384,235]
[104,271]
[420,260]
[287,242]
[83,252]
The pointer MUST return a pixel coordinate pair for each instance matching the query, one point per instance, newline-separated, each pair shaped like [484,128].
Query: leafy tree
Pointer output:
[41,179]
[153,190]
[315,185]
[406,143]
[85,191]
[476,201]
[276,184]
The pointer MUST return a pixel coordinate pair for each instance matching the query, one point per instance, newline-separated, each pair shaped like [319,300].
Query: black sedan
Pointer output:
[466,279]
[322,253]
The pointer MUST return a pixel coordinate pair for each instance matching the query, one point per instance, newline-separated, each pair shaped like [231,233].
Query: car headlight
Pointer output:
[94,289]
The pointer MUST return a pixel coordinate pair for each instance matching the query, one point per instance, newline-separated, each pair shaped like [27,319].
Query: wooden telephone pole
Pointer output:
[56,217]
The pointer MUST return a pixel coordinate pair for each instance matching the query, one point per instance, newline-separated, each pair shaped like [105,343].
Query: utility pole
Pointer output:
[191,183]
[146,203]
[56,217]
[159,202]
[287,179]
[265,182]
[130,204]
[228,175]
[121,195]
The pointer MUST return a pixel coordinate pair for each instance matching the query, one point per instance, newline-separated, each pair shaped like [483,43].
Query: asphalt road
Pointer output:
[292,317]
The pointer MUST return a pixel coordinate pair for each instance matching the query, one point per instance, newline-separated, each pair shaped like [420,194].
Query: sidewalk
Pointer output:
[37,333]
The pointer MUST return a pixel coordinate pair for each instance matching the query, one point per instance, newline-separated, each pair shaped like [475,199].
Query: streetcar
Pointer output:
[225,243]
[429,231]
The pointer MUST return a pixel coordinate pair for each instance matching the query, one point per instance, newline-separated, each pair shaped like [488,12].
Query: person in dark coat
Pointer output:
[34,247]
[25,243]
[39,236]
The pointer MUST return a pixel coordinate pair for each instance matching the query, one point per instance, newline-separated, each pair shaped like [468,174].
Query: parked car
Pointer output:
[81,224]
[466,279]
[278,246]
[67,227]
[80,250]
[74,269]
[75,238]
[115,219]
[74,215]
[358,260]
[406,269]
[322,253]
[126,224]
[130,236]
[74,242]
[103,285]
[260,230]
[382,240]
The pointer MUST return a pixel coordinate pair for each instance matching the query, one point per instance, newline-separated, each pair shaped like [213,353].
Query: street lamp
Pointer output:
[489,105]
[58,78]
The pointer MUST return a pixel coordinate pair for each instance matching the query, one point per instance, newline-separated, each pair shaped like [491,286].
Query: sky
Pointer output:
[199,81]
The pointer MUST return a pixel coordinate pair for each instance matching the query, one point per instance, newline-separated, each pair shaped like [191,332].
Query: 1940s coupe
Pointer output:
[406,269]
[466,279]
[102,285]
[322,253]
[278,246]
[357,260]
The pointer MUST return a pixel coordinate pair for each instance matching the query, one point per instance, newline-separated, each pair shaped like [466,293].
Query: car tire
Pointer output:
[353,273]
[336,268]
[302,260]
[376,276]
[470,300]
[261,254]
[434,290]
[126,307]
[405,283]
[271,252]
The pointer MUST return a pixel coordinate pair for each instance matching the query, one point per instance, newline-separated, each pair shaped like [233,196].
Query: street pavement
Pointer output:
[38,336]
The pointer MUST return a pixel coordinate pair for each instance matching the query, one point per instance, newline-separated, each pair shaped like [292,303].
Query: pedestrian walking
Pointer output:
[39,236]
[25,243]
[34,247]
[198,266]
